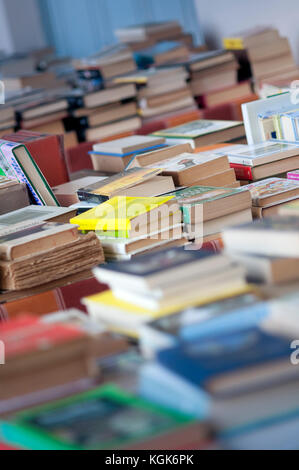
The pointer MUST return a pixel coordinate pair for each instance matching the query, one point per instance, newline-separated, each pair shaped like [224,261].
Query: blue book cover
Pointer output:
[201,361]
[226,315]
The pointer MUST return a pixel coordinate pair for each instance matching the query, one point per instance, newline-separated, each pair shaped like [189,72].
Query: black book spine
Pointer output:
[85,196]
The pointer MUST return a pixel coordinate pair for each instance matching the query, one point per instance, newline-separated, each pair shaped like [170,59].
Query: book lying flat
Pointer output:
[128,145]
[104,418]
[155,270]
[272,191]
[275,236]
[259,154]
[31,214]
[201,131]
[186,168]
[102,191]
[16,242]
[127,317]
[120,213]
[201,203]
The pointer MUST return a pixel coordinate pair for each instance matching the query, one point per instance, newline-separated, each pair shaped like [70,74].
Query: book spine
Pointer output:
[19,174]
[242,172]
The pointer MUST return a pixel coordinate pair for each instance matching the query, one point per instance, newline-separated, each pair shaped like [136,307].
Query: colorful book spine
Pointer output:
[6,154]
[242,172]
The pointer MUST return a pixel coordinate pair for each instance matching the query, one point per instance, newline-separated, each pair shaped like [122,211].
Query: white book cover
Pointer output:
[259,154]
[252,110]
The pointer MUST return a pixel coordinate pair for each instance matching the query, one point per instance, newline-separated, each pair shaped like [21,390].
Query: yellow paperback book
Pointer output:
[127,318]
[117,213]
[233,43]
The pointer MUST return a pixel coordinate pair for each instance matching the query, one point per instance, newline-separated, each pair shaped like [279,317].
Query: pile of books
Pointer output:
[268,249]
[241,390]
[208,210]
[40,253]
[259,161]
[161,284]
[144,36]
[270,55]
[188,168]
[129,226]
[161,92]
[41,356]
[109,62]
[103,113]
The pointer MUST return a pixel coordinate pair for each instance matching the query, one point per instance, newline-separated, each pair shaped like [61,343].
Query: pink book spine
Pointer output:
[293,176]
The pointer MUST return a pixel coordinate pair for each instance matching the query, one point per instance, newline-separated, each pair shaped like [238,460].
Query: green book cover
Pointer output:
[104,418]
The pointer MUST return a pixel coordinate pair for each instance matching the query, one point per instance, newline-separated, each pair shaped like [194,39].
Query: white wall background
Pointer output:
[6,44]
[219,18]
[20,26]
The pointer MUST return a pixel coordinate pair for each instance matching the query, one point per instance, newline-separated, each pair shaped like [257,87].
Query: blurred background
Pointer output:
[79,28]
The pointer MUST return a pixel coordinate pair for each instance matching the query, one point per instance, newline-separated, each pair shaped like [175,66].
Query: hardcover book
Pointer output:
[18,163]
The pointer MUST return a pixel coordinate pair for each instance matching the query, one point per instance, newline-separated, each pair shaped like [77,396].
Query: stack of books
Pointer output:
[41,356]
[163,53]
[216,317]
[130,226]
[267,248]
[271,195]
[240,377]
[160,284]
[142,36]
[269,54]
[161,92]
[38,253]
[188,168]
[214,78]
[207,210]
[8,119]
[259,161]
[103,113]
[109,62]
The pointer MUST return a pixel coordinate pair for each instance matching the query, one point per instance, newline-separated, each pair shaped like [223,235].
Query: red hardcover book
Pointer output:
[28,334]
[78,158]
[7,447]
[62,298]
[242,172]
[222,112]
[48,153]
